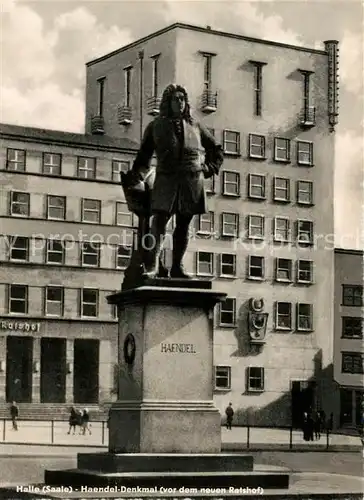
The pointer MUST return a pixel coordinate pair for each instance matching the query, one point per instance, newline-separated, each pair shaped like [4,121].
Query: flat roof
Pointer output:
[349,251]
[33,134]
[203,30]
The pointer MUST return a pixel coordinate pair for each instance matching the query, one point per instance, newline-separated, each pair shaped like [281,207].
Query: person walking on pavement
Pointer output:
[229,412]
[73,420]
[85,421]
[14,412]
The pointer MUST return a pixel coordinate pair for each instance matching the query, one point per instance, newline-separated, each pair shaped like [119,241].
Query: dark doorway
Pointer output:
[53,370]
[19,369]
[86,371]
[302,394]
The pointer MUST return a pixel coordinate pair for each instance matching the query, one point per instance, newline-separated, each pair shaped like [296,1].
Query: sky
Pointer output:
[46,43]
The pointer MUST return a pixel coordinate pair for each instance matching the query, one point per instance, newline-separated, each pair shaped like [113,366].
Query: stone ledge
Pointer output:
[165,462]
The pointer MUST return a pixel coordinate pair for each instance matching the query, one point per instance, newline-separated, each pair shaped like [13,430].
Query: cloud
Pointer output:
[349,190]
[238,17]
[46,106]
[43,67]
[351,62]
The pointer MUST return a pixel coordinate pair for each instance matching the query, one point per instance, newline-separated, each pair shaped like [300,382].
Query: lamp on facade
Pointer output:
[2,366]
[36,367]
[69,368]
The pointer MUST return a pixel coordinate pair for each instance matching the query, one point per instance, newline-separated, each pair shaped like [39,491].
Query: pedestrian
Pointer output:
[14,412]
[318,425]
[85,425]
[229,412]
[305,426]
[73,420]
[310,425]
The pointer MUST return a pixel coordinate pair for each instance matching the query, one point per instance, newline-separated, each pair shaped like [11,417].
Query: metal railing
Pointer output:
[248,437]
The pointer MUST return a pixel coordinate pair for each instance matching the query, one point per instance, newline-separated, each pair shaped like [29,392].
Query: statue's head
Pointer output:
[175,103]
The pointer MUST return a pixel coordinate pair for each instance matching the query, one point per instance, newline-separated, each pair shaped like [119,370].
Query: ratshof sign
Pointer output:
[19,326]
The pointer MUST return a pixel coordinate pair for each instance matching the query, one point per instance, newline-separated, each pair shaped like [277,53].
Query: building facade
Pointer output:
[348,336]
[267,240]
[65,239]
[269,232]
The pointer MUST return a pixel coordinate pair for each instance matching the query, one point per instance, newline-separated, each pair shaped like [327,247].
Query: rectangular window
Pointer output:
[100,96]
[352,363]
[207,60]
[15,160]
[227,312]
[19,248]
[255,267]
[281,229]
[281,189]
[304,271]
[205,223]
[256,227]
[258,87]
[227,265]
[306,90]
[89,302]
[86,167]
[90,211]
[54,298]
[52,163]
[304,317]
[222,377]
[255,379]
[282,149]
[56,207]
[256,146]
[352,295]
[18,299]
[304,192]
[127,86]
[155,75]
[304,153]
[305,232]
[230,225]
[55,252]
[19,204]
[123,216]
[123,254]
[117,167]
[352,328]
[204,263]
[231,183]
[283,316]
[210,185]
[90,254]
[283,270]
[256,186]
[231,142]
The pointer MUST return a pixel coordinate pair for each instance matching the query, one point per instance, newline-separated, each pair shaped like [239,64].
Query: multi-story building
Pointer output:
[273,107]
[65,238]
[266,239]
[348,336]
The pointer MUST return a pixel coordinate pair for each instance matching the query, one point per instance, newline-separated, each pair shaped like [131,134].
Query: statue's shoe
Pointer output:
[179,273]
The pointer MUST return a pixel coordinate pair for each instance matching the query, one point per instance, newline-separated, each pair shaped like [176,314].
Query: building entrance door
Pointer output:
[302,394]
[19,369]
[86,371]
[52,370]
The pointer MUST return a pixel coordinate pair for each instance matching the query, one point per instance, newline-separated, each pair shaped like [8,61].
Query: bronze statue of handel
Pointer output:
[186,154]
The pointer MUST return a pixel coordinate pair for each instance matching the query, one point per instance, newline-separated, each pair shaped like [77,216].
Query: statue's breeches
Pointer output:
[179,192]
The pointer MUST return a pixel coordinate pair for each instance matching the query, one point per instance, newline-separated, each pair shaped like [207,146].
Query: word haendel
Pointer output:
[185,348]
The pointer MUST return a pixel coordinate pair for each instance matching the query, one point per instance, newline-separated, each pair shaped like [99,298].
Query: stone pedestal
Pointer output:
[165,394]
[164,430]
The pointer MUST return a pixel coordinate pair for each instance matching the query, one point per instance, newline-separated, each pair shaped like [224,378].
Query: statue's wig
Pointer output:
[165,109]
